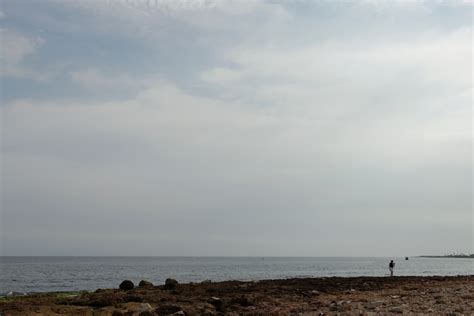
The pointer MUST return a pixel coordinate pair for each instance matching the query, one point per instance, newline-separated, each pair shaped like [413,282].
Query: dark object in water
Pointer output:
[406,258]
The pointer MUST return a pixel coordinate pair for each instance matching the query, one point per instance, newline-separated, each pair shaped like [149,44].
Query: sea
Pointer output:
[47,274]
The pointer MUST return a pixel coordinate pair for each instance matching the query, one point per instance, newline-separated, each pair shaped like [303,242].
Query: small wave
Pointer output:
[13,293]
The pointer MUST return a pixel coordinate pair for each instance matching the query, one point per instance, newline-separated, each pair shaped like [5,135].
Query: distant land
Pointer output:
[454,255]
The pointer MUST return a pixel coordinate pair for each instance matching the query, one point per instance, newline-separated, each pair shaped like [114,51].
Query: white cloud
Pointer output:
[96,79]
[15,48]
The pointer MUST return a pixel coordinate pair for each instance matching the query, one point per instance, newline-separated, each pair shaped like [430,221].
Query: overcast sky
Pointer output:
[293,128]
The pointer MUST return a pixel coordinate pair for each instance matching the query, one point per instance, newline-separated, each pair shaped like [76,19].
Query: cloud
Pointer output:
[16,47]
[174,158]
[92,78]
[243,121]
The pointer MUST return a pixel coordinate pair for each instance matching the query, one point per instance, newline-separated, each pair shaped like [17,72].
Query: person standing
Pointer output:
[391,266]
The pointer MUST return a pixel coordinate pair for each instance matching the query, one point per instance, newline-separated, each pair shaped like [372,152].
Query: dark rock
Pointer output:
[216,302]
[144,283]
[133,298]
[242,301]
[333,307]
[208,312]
[170,284]
[168,309]
[397,310]
[126,285]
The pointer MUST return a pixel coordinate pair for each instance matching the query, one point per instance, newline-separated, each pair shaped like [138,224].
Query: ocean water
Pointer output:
[43,274]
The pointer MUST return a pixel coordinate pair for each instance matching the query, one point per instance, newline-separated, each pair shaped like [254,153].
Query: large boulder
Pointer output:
[126,285]
[144,283]
[170,284]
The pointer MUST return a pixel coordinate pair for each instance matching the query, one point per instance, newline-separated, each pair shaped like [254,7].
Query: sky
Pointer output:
[236,128]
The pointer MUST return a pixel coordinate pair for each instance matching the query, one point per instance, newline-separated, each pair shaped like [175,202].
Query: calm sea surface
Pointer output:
[38,274]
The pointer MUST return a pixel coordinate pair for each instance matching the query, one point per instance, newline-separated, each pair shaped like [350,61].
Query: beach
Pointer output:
[448,295]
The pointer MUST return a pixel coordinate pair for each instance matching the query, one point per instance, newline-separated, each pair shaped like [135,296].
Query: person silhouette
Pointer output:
[391,266]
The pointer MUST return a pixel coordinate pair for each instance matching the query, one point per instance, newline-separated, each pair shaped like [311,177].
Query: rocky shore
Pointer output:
[308,296]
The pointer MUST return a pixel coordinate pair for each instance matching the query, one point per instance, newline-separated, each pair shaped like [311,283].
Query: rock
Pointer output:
[126,285]
[217,302]
[170,284]
[180,313]
[459,310]
[168,309]
[145,307]
[346,307]
[397,310]
[243,301]
[208,312]
[333,307]
[144,283]
[372,305]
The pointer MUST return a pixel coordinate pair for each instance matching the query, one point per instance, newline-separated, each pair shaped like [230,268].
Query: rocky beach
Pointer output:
[300,296]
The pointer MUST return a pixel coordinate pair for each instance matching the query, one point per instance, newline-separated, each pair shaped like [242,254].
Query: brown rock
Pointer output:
[144,283]
[396,310]
[168,309]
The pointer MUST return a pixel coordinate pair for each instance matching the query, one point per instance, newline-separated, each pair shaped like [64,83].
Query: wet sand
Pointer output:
[306,296]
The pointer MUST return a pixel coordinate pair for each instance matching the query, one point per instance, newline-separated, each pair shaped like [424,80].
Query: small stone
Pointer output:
[126,285]
[217,302]
[145,307]
[168,309]
[208,312]
[346,307]
[333,307]
[397,310]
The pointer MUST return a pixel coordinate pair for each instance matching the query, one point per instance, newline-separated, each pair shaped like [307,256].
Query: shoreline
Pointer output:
[298,296]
